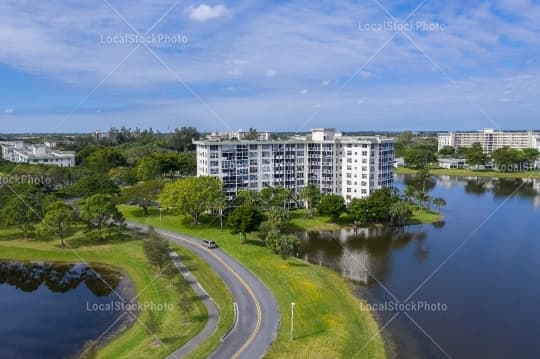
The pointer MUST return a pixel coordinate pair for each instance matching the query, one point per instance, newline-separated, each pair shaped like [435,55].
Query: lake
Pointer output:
[472,282]
[49,310]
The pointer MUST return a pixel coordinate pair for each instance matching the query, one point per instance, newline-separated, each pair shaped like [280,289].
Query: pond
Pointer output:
[463,288]
[49,310]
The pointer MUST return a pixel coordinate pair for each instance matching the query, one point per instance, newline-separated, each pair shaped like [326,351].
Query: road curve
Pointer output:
[213,314]
[257,317]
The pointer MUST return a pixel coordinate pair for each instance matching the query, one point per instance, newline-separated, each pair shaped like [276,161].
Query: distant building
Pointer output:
[490,139]
[448,163]
[352,166]
[241,135]
[45,154]
[399,162]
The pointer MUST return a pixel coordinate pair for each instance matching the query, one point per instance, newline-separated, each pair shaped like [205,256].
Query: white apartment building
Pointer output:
[37,154]
[491,139]
[349,166]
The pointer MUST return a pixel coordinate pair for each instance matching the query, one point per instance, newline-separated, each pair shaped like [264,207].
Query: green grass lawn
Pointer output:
[423,216]
[329,322]
[128,255]
[473,173]
[301,221]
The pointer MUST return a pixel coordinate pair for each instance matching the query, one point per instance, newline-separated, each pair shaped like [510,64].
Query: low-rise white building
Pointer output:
[351,166]
[45,154]
[448,163]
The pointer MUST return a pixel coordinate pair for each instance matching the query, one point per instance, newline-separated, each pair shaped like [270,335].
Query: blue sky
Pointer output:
[279,65]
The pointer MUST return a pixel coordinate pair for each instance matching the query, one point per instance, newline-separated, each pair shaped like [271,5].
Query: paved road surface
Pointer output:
[213,314]
[257,318]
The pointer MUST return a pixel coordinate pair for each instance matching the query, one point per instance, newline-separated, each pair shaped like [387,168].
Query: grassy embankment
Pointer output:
[301,221]
[473,173]
[329,322]
[127,254]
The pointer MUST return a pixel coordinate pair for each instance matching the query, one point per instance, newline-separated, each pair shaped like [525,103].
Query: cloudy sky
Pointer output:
[75,65]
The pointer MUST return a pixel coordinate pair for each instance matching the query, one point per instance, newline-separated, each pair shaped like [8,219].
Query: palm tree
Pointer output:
[400,211]
[423,199]
[423,176]
[410,193]
[439,202]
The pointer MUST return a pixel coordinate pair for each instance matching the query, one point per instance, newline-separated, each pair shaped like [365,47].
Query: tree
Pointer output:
[423,199]
[283,244]
[152,323]
[220,205]
[508,159]
[101,214]
[359,209]
[23,207]
[123,175]
[530,155]
[251,135]
[331,205]
[249,197]
[143,193]
[58,220]
[157,250]
[410,193]
[182,139]
[439,202]
[87,186]
[379,203]
[475,155]
[419,156]
[447,151]
[186,306]
[148,168]
[245,219]
[192,195]
[311,194]
[275,196]
[423,176]
[400,212]
[104,159]
[278,217]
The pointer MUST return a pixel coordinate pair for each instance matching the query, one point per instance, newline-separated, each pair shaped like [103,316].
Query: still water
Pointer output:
[477,274]
[44,308]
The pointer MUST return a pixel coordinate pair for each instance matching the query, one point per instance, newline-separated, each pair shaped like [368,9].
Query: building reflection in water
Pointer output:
[362,254]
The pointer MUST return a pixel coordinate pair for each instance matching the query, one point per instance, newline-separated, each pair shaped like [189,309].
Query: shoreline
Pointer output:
[472,173]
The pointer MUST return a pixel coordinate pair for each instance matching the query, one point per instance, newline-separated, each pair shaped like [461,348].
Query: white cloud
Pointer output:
[8,110]
[271,73]
[304,92]
[205,12]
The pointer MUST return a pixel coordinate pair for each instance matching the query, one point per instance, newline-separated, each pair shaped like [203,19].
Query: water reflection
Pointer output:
[59,278]
[481,261]
[360,254]
[503,187]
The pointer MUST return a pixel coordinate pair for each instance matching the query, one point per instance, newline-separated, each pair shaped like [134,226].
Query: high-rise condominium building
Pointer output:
[490,139]
[350,166]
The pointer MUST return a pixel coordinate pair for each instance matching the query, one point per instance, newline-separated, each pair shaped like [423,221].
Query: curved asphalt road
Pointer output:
[257,318]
